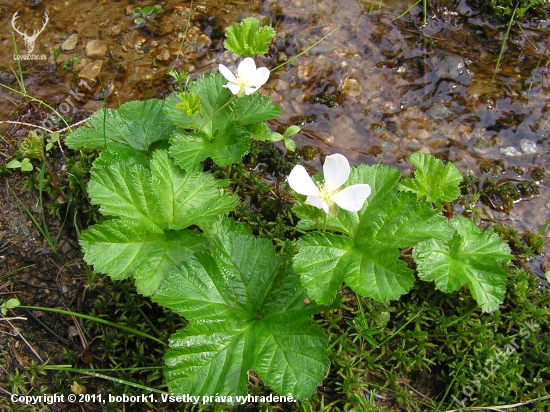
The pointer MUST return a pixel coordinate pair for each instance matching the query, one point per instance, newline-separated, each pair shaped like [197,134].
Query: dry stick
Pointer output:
[23,339]
[501,407]
[16,318]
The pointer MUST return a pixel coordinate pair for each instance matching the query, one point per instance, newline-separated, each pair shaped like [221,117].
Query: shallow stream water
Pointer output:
[378,89]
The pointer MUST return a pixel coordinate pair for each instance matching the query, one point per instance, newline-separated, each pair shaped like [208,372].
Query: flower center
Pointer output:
[325,193]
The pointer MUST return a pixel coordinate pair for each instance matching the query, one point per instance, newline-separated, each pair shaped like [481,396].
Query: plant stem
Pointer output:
[54,181]
[219,110]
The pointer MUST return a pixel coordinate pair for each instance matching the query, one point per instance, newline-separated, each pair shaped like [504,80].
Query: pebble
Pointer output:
[91,70]
[115,30]
[96,49]
[528,146]
[510,151]
[164,55]
[439,112]
[70,43]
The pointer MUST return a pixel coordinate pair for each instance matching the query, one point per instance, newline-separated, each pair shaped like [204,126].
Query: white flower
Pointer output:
[248,79]
[327,195]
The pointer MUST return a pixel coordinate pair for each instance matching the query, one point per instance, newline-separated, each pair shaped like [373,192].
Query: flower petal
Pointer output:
[235,88]
[260,77]
[300,182]
[317,202]
[250,90]
[247,68]
[227,73]
[336,171]
[352,198]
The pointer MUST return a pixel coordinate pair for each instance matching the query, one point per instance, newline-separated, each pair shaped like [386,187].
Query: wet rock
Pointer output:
[282,57]
[164,55]
[439,112]
[91,70]
[482,145]
[93,106]
[165,27]
[70,43]
[510,151]
[6,78]
[96,49]
[352,87]
[528,146]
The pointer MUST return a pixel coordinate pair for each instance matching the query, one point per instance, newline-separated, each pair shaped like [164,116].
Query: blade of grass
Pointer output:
[46,234]
[94,319]
[18,76]
[106,377]
[504,41]
[406,11]
[306,50]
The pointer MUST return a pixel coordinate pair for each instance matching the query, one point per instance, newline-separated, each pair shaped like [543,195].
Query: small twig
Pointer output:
[26,124]
[501,407]
[23,339]
[15,318]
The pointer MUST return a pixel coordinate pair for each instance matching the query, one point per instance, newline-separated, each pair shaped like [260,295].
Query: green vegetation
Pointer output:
[71,61]
[148,14]
[253,290]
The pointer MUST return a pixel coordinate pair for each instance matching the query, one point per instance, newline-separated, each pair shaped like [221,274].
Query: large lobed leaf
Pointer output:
[190,149]
[246,312]
[471,257]
[366,255]
[123,248]
[152,209]
[433,180]
[136,125]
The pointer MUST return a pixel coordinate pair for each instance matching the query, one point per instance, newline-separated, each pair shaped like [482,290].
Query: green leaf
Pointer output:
[547,274]
[152,209]
[472,257]
[290,144]
[14,164]
[26,165]
[433,180]
[189,149]
[163,198]
[9,304]
[292,130]
[317,263]
[259,131]
[366,255]
[246,312]
[186,199]
[135,124]
[247,38]
[255,108]
[122,248]
[190,103]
